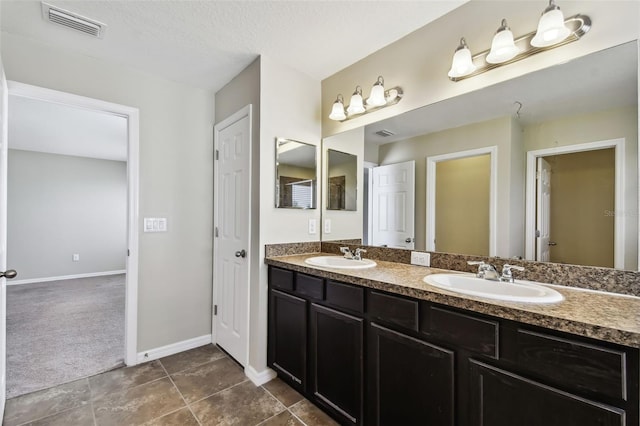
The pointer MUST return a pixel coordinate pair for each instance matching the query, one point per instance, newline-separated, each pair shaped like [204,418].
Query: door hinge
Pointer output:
[217,154]
[215,310]
[215,232]
[128,253]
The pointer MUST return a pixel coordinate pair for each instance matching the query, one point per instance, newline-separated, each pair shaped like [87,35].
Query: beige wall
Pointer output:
[297,172]
[420,61]
[462,205]
[497,132]
[174,303]
[582,203]
[594,127]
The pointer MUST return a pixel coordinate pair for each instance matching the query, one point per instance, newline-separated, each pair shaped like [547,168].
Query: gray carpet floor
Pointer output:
[60,331]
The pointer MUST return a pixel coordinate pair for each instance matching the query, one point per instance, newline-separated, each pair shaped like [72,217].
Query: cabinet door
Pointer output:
[287,352]
[337,362]
[411,381]
[501,398]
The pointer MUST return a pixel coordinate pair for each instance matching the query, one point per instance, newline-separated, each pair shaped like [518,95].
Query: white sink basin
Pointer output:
[339,262]
[520,291]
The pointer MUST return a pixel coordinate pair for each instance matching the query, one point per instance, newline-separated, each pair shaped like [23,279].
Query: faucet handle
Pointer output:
[345,250]
[358,254]
[476,262]
[507,274]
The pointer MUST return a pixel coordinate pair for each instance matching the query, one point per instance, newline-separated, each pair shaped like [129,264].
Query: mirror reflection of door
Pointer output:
[393,198]
[581,208]
[462,205]
[337,192]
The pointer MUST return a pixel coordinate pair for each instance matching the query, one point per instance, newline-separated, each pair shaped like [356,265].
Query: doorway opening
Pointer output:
[575,204]
[72,216]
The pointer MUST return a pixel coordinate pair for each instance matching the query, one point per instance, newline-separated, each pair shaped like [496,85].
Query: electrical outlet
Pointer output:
[420,258]
[312,226]
[75,257]
[327,226]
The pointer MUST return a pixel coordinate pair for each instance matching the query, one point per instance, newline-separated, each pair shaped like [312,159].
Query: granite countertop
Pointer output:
[604,316]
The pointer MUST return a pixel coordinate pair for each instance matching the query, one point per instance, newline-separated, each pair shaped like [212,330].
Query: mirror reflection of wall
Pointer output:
[462,195]
[296,175]
[342,181]
[544,109]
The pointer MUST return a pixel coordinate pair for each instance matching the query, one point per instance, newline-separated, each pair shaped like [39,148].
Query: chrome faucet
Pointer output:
[485,270]
[358,255]
[347,252]
[507,275]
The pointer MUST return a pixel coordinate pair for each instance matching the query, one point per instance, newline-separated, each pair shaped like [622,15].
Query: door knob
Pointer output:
[241,253]
[9,274]
[551,243]
[408,240]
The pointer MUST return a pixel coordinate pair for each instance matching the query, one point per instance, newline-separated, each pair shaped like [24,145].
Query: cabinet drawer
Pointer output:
[475,334]
[309,286]
[394,310]
[572,363]
[345,296]
[281,278]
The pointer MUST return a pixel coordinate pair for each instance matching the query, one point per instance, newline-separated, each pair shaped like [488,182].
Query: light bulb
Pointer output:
[355,105]
[376,98]
[551,27]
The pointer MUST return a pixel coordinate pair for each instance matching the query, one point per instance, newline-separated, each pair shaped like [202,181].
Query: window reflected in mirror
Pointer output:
[341,180]
[296,174]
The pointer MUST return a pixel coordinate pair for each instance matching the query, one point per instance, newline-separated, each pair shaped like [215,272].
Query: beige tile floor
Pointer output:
[202,386]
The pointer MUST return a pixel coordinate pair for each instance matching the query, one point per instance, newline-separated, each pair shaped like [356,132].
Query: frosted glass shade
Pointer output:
[551,29]
[337,111]
[356,105]
[503,48]
[376,98]
[462,63]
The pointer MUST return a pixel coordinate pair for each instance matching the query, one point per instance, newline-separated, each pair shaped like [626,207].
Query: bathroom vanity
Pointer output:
[381,347]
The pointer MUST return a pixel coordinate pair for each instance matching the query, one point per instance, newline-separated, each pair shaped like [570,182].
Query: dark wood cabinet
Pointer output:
[502,398]
[411,381]
[287,352]
[368,357]
[336,355]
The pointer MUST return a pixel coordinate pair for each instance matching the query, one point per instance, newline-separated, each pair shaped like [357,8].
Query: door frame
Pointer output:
[493,192]
[530,194]
[245,111]
[133,125]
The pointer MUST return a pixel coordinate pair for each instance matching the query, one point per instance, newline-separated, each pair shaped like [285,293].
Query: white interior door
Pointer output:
[231,243]
[393,201]
[543,210]
[4,140]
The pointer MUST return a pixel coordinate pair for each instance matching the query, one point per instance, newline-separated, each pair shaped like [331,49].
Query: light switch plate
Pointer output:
[155,224]
[420,258]
[327,226]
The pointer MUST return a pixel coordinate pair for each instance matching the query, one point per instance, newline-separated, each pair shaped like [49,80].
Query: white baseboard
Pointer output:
[259,378]
[173,348]
[66,277]
[3,394]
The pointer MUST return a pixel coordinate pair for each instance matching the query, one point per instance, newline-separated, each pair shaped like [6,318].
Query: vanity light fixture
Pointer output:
[378,98]
[553,31]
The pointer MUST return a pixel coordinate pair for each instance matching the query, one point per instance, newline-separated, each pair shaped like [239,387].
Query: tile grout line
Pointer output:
[181,396]
[294,414]
[285,408]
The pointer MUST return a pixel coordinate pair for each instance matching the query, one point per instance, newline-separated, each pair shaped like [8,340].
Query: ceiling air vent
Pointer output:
[73,20]
[385,133]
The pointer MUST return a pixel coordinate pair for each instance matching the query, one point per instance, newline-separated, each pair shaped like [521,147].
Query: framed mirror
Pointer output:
[296,174]
[342,180]
[584,110]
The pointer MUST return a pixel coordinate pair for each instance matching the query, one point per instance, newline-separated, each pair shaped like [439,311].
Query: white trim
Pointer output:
[493,192]
[173,348]
[66,277]
[133,119]
[259,378]
[530,194]
[246,111]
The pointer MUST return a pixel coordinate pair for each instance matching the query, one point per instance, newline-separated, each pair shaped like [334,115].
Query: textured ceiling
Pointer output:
[206,43]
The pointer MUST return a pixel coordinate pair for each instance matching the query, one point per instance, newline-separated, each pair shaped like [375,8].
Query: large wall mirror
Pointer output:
[575,125]
[296,174]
